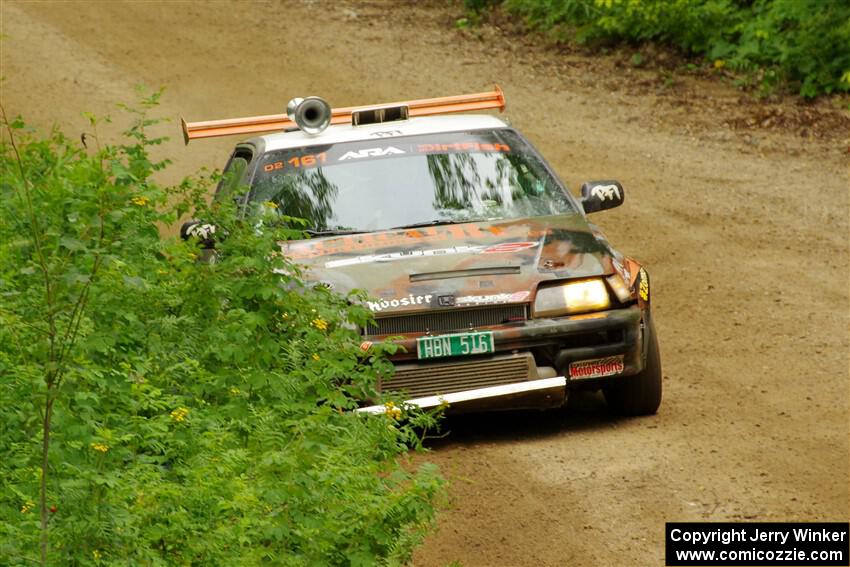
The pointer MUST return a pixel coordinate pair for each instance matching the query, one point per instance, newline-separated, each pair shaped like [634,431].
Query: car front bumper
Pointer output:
[545,390]
[530,367]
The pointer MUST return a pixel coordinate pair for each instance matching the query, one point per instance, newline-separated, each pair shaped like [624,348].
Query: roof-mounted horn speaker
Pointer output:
[311,114]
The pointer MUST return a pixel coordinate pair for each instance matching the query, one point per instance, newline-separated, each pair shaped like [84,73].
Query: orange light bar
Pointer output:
[422,107]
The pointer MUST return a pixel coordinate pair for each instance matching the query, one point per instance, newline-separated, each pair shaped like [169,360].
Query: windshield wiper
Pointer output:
[436,222]
[332,232]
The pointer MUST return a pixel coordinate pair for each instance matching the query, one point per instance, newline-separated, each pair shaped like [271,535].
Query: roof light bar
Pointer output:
[422,107]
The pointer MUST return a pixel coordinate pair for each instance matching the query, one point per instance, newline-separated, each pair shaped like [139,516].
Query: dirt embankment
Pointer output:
[738,208]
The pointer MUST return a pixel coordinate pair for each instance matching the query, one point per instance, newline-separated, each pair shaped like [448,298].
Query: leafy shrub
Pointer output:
[804,44]
[161,411]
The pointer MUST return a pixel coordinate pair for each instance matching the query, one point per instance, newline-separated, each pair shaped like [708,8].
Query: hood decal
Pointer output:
[453,233]
[410,300]
[468,265]
[503,248]
[492,299]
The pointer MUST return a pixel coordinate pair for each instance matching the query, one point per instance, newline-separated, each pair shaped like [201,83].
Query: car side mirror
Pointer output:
[601,195]
[203,233]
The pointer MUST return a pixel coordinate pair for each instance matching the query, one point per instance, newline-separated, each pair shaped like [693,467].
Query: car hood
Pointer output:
[459,265]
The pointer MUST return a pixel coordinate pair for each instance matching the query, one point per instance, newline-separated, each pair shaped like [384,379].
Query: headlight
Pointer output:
[573,297]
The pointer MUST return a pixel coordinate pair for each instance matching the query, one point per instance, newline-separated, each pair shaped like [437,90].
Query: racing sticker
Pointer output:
[297,162]
[492,299]
[371,152]
[405,237]
[597,367]
[508,247]
[605,192]
[643,285]
[399,302]
[406,254]
[463,147]
[403,255]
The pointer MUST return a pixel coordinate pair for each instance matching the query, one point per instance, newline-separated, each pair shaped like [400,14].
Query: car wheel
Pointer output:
[639,394]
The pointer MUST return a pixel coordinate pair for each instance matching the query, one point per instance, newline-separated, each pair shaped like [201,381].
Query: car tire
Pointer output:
[639,394]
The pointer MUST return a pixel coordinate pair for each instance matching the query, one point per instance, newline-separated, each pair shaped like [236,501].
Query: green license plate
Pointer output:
[461,344]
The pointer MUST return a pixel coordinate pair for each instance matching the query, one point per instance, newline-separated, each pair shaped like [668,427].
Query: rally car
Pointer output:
[479,261]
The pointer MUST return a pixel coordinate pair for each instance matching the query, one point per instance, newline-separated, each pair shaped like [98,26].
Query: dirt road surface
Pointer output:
[739,209]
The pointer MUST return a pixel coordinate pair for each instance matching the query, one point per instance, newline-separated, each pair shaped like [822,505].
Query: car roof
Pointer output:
[347,133]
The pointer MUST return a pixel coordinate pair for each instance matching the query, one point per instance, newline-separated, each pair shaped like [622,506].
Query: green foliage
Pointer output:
[801,44]
[157,410]
[805,43]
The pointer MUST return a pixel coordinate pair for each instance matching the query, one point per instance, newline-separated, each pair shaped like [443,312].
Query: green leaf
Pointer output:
[134,282]
[71,244]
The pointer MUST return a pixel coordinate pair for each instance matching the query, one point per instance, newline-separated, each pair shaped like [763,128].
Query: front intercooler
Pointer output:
[431,379]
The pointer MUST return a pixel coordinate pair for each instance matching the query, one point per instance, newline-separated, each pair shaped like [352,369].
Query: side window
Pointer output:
[233,177]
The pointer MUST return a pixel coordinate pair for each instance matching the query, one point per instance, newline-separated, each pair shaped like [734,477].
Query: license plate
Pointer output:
[461,344]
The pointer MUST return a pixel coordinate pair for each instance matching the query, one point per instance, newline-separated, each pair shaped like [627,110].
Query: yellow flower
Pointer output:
[100,447]
[96,555]
[392,411]
[234,391]
[27,507]
[270,204]
[140,201]
[719,63]
[316,357]
[284,316]
[179,415]
[320,324]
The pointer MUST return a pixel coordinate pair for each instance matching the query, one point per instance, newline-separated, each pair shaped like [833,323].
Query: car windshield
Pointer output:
[413,180]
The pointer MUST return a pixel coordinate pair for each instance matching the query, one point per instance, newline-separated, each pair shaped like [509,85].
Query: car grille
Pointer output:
[448,320]
[419,380]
